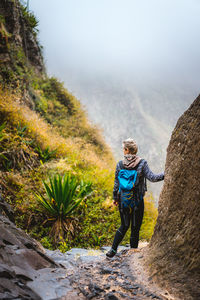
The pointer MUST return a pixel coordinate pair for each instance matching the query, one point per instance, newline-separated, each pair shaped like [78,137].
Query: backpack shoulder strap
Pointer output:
[140,166]
[121,164]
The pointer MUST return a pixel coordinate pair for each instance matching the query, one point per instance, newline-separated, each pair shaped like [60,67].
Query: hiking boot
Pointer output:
[111,253]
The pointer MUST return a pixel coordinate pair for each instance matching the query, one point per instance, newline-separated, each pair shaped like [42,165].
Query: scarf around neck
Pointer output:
[131,160]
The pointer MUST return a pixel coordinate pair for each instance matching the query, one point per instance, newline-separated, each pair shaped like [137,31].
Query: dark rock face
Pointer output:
[20,35]
[175,245]
[25,271]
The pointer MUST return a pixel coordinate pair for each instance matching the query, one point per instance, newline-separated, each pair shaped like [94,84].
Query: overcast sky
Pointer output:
[148,39]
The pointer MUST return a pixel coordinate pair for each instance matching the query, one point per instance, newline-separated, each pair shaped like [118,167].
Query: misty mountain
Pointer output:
[145,113]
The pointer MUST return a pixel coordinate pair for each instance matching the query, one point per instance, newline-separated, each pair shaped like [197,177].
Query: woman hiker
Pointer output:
[131,203]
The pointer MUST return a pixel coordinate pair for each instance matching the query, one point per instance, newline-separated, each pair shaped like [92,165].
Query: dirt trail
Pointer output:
[121,277]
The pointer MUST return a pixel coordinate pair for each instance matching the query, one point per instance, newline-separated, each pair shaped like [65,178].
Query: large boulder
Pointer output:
[175,245]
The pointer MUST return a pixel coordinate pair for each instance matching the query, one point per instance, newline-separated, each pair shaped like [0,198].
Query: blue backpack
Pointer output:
[129,185]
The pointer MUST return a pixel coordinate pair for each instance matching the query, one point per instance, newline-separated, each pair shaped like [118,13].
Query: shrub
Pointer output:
[32,22]
[64,195]
[45,154]
[21,130]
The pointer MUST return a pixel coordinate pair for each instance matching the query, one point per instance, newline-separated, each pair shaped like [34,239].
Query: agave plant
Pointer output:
[63,196]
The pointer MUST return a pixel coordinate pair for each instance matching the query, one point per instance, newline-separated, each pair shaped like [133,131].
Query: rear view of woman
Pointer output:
[131,203]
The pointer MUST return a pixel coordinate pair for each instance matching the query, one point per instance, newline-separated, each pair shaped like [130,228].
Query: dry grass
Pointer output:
[46,135]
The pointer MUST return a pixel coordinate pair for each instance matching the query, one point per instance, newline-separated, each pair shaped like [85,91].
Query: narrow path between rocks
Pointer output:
[121,277]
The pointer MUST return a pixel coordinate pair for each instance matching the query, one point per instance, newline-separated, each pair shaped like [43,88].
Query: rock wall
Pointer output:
[19,34]
[175,245]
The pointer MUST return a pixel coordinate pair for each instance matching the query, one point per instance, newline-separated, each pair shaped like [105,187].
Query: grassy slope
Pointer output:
[58,123]
[79,149]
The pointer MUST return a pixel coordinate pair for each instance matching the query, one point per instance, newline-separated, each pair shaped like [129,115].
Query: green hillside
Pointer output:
[45,131]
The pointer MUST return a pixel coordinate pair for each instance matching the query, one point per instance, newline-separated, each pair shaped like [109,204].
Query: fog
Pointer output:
[148,41]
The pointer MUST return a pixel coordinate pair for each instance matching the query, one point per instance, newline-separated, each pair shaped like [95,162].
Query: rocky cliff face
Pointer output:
[16,29]
[175,244]
[20,53]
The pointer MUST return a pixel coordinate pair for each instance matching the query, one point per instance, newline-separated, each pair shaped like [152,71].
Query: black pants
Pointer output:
[127,217]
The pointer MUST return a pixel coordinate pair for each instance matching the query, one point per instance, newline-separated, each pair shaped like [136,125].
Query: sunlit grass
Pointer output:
[46,136]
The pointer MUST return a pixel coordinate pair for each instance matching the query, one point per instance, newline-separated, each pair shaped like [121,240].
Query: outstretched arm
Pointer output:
[116,183]
[150,175]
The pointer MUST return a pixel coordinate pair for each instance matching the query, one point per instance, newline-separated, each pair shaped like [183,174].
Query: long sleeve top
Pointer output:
[145,174]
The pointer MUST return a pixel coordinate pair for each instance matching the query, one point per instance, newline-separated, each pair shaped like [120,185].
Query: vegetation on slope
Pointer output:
[44,131]
[23,168]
